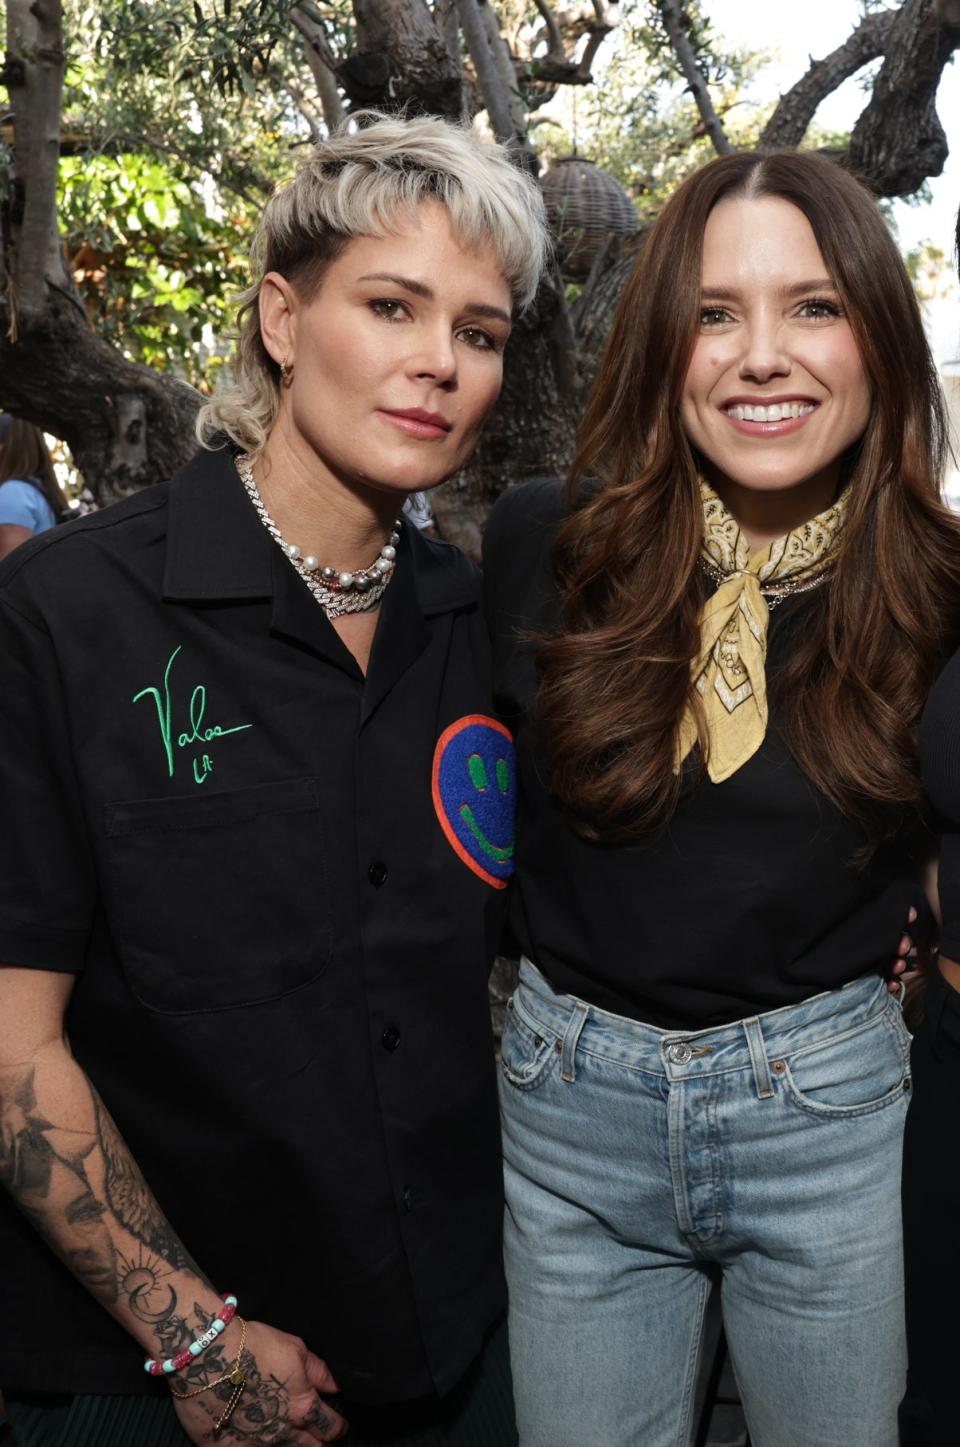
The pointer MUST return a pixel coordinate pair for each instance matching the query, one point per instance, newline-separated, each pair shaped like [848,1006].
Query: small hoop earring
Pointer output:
[286,374]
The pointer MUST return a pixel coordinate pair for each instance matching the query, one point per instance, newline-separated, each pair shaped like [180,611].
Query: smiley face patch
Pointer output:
[475,794]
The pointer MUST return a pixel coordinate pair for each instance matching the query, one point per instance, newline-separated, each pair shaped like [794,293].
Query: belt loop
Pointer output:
[571,1039]
[758,1058]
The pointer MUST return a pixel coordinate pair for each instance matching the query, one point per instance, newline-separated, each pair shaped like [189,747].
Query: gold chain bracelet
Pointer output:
[235,1376]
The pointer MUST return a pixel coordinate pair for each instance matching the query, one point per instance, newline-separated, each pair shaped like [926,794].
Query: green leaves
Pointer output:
[153,258]
[180,122]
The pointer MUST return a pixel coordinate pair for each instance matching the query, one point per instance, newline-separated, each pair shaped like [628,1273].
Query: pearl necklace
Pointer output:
[336,592]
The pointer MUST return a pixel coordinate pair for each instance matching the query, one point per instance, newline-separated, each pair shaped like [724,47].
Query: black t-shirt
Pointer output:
[940,759]
[256,865]
[747,899]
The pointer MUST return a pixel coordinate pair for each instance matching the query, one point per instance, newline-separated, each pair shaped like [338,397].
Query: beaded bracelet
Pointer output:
[235,1376]
[183,1359]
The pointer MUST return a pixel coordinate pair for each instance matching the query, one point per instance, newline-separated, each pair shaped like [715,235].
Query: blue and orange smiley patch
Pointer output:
[475,794]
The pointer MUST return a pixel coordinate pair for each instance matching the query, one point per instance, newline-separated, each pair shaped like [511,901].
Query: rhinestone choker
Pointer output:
[336,592]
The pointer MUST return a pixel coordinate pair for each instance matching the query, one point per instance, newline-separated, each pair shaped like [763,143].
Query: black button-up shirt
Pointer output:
[277,883]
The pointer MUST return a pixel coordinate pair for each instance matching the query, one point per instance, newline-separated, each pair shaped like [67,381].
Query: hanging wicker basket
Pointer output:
[585,207]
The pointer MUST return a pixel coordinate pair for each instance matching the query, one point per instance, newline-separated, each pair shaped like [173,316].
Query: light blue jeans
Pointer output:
[637,1158]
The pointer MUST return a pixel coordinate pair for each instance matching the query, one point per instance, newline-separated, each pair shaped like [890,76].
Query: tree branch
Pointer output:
[507,72]
[493,86]
[673,16]
[555,48]
[445,13]
[120,140]
[597,37]
[795,110]
[322,63]
[898,140]
[306,105]
[558,66]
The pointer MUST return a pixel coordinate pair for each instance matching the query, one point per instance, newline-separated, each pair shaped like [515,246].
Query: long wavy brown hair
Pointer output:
[615,675]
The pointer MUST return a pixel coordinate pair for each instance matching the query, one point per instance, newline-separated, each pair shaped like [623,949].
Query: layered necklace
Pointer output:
[337,592]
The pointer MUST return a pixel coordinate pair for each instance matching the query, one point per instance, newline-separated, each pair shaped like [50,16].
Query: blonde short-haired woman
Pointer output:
[246,728]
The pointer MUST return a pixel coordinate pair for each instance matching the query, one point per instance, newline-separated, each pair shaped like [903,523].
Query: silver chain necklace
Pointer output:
[336,592]
[773,593]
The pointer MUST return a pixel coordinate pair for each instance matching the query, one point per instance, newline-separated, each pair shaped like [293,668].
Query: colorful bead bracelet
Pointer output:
[183,1359]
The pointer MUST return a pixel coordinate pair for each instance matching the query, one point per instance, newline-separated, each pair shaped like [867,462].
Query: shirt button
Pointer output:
[390,1038]
[377,873]
[407,1199]
[680,1054]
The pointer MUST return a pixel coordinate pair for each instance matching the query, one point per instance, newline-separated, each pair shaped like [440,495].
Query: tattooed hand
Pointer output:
[67,1167]
[280,1405]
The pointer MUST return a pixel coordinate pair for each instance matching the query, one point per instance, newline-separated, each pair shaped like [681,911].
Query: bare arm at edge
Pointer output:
[11,536]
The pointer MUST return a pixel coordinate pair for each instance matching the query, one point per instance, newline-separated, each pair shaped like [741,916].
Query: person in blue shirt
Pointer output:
[31,499]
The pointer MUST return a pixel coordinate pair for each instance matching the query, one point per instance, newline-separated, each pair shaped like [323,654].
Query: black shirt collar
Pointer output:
[216,545]
[217,548]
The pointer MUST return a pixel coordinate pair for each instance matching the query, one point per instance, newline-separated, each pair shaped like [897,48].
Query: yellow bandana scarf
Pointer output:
[729,671]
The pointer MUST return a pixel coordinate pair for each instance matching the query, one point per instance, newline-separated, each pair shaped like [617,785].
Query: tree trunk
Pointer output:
[594,309]
[532,430]
[898,141]
[125,425]
[496,76]
[33,73]
[401,59]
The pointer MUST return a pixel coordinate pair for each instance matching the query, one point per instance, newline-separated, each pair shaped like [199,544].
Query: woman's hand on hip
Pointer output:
[905,971]
[281,1404]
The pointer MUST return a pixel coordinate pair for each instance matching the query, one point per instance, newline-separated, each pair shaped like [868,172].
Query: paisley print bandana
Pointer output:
[729,670]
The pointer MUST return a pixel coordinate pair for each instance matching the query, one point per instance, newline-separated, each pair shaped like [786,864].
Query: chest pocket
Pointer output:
[219,900]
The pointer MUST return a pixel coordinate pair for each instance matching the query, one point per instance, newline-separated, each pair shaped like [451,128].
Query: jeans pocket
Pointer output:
[526,1050]
[854,1074]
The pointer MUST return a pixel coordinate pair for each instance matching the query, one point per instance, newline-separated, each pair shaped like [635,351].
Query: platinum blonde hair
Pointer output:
[366,182]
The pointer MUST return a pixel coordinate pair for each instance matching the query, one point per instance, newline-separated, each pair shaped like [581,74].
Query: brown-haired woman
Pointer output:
[718,819]
[31,499]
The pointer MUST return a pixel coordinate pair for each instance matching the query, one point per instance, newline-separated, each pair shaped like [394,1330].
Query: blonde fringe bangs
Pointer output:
[365,183]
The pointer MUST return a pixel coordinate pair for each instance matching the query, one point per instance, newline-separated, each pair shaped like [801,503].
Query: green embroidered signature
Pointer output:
[197,733]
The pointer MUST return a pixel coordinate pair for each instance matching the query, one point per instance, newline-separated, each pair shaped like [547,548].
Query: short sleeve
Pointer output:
[24,506]
[47,878]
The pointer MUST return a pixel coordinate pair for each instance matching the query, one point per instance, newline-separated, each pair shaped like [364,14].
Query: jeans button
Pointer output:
[680,1053]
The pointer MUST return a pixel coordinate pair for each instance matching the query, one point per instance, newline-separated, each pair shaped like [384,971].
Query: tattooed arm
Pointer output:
[69,1171]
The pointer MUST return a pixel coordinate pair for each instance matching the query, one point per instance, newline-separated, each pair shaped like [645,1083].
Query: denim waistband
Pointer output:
[755,1043]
